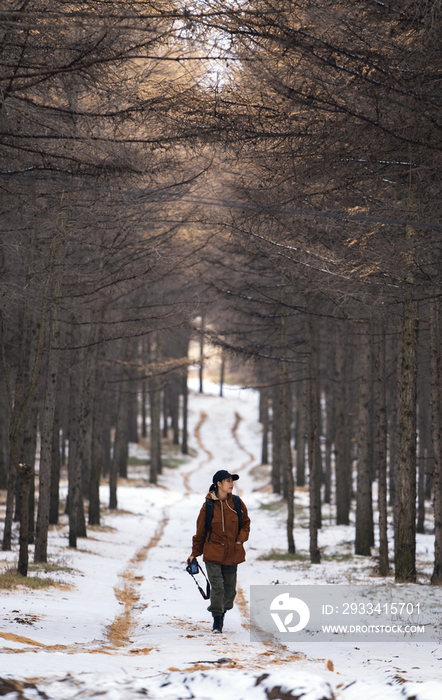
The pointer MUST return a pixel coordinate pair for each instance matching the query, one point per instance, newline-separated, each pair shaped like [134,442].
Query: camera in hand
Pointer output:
[192,566]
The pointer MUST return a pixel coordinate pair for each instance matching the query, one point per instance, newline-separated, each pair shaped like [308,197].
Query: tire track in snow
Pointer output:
[240,597]
[11,637]
[277,649]
[127,593]
[206,460]
[238,419]
[223,645]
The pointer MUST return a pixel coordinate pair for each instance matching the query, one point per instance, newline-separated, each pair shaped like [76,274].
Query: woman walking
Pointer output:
[222,527]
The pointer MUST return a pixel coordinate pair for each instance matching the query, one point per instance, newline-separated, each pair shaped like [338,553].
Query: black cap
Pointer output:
[224,474]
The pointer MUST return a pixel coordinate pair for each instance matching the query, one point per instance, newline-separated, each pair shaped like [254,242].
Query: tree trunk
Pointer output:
[176,410]
[222,372]
[405,565]
[98,423]
[97,466]
[424,405]
[75,494]
[4,438]
[342,448]
[143,409]
[364,513]
[185,392]
[47,423]
[10,493]
[276,438]
[165,411]
[264,417]
[55,472]
[436,431]
[119,454]
[395,411]
[382,452]
[132,406]
[312,338]
[25,475]
[121,443]
[201,369]
[286,438]
[300,432]
[155,431]
[30,431]
[329,429]
[14,482]
[422,461]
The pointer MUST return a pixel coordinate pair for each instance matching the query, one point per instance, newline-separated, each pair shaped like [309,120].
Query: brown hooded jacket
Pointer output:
[222,548]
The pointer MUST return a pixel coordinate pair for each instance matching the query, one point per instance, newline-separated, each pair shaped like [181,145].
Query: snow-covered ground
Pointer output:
[127,621]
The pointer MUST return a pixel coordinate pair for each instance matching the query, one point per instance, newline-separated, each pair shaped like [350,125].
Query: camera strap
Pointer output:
[206,595]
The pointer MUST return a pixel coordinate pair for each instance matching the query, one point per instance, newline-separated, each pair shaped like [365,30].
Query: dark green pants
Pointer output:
[222,579]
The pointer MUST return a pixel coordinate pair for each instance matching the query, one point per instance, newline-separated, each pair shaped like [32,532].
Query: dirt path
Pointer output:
[231,654]
[127,591]
[127,594]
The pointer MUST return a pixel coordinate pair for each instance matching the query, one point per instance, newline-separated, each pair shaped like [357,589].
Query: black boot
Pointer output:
[218,623]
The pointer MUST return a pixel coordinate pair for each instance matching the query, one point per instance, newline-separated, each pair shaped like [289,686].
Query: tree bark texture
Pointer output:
[436,431]
[98,423]
[424,420]
[405,560]
[121,440]
[276,438]
[4,438]
[342,443]
[222,373]
[54,501]
[364,515]
[75,495]
[25,474]
[300,432]
[286,451]
[264,418]
[155,430]
[184,433]
[382,451]
[201,368]
[29,449]
[312,338]
[174,405]
[47,421]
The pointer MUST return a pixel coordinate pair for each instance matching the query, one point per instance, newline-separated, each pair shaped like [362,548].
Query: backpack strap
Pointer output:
[237,504]
[210,509]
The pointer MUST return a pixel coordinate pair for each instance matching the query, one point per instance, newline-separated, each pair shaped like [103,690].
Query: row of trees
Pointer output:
[338,139]
[96,252]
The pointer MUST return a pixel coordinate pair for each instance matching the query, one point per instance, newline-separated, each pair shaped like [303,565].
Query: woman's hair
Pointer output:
[214,488]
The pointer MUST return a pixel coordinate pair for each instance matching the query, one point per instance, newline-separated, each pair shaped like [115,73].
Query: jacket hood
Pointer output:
[212,495]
